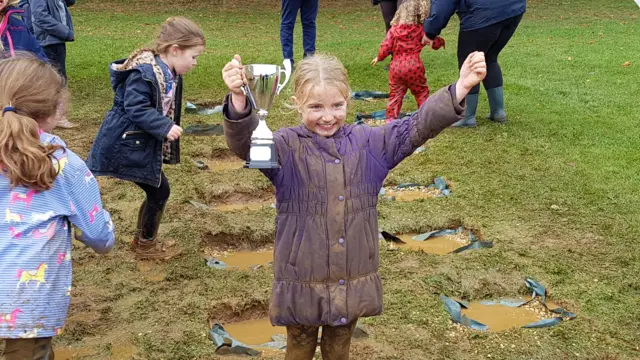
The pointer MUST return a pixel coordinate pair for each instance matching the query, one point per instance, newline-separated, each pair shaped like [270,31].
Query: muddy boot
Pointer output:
[149,248]
[469,112]
[496,104]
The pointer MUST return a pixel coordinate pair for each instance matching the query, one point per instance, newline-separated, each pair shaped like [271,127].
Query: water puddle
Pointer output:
[239,260]
[439,245]
[254,332]
[73,353]
[150,271]
[499,317]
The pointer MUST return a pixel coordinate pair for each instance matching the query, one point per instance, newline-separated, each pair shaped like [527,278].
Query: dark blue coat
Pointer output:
[16,35]
[129,143]
[473,14]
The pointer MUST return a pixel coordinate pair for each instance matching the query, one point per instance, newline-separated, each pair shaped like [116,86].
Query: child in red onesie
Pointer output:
[404,41]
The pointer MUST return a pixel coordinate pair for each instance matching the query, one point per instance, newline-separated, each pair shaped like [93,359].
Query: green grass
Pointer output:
[572,142]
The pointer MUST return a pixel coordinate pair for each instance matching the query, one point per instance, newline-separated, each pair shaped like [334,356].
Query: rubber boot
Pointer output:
[496,104]
[469,112]
[149,248]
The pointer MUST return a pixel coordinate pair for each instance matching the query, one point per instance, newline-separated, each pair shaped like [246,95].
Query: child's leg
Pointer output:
[28,349]
[336,341]
[145,242]
[418,85]
[301,342]
[152,208]
[394,105]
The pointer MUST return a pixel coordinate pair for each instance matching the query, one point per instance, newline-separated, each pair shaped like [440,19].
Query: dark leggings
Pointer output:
[490,40]
[28,349]
[153,206]
[389,8]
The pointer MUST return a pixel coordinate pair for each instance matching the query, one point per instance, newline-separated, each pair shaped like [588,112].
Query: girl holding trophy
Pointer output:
[327,183]
[136,135]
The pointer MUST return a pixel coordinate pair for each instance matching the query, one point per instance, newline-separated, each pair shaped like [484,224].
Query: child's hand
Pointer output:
[175,133]
[426,41]
[233,75]
[234,78]
[472,72]
[374,61]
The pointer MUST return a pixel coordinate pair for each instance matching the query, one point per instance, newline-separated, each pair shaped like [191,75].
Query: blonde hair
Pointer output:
[318,70]
[34,89]
[411,12]
[178,31]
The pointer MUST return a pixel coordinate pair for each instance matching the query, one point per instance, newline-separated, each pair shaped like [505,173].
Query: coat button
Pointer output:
[137,142]
[343,320]
[337,161]
[341,198]
[341,241]
[341,282]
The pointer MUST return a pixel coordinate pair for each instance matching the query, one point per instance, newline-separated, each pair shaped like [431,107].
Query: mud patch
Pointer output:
[123,352]
[151,271]
[225,164]
[74,353]
[413,191]
[239,260]
[246,239]
[242,202]
[229,312]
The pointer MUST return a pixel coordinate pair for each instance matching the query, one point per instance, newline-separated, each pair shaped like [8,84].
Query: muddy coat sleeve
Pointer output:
[238,127]
[391,143]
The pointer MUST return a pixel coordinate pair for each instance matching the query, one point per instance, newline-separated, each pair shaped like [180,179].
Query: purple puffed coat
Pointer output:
[326,245]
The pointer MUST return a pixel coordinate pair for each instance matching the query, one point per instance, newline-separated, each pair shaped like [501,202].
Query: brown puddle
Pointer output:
[254,332]
[243,259]
[412,194]
[225,164]
[500,317]
[150,271]
[439,245]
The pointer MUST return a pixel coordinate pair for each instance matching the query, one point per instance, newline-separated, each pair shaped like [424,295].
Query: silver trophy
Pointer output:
[263,84]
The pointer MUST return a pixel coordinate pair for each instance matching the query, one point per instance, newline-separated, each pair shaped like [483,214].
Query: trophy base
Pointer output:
[261,165]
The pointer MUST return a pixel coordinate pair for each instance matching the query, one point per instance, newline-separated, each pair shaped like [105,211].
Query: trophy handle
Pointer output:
[287,74]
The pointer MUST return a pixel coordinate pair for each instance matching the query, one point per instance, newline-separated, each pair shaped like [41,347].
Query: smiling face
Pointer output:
[324,111]
[183,60]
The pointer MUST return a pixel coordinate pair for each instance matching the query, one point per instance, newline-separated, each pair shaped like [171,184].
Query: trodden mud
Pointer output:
[412,194]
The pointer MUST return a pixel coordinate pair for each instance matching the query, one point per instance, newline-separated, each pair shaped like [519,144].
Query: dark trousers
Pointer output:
[57,55]
[308,13]
[334,345]
[490,40]
[151,211]
[28,349]
[389,8]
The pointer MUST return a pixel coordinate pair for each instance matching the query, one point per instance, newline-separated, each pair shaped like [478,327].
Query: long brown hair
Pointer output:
[30,91]
[178,31]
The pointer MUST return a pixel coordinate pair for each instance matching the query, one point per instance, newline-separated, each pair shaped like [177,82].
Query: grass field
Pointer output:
[556,189]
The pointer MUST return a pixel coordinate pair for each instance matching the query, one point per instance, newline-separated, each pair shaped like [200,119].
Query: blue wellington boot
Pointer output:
[470,112]
[496,104]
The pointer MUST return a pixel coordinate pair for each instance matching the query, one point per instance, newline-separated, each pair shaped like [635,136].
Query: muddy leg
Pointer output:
[336,341]
[301,342]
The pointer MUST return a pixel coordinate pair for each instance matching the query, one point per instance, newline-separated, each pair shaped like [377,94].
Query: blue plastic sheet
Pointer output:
[454,308]
[475,243]
[368,95]
[226,344]
[191,108]
[439,183]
